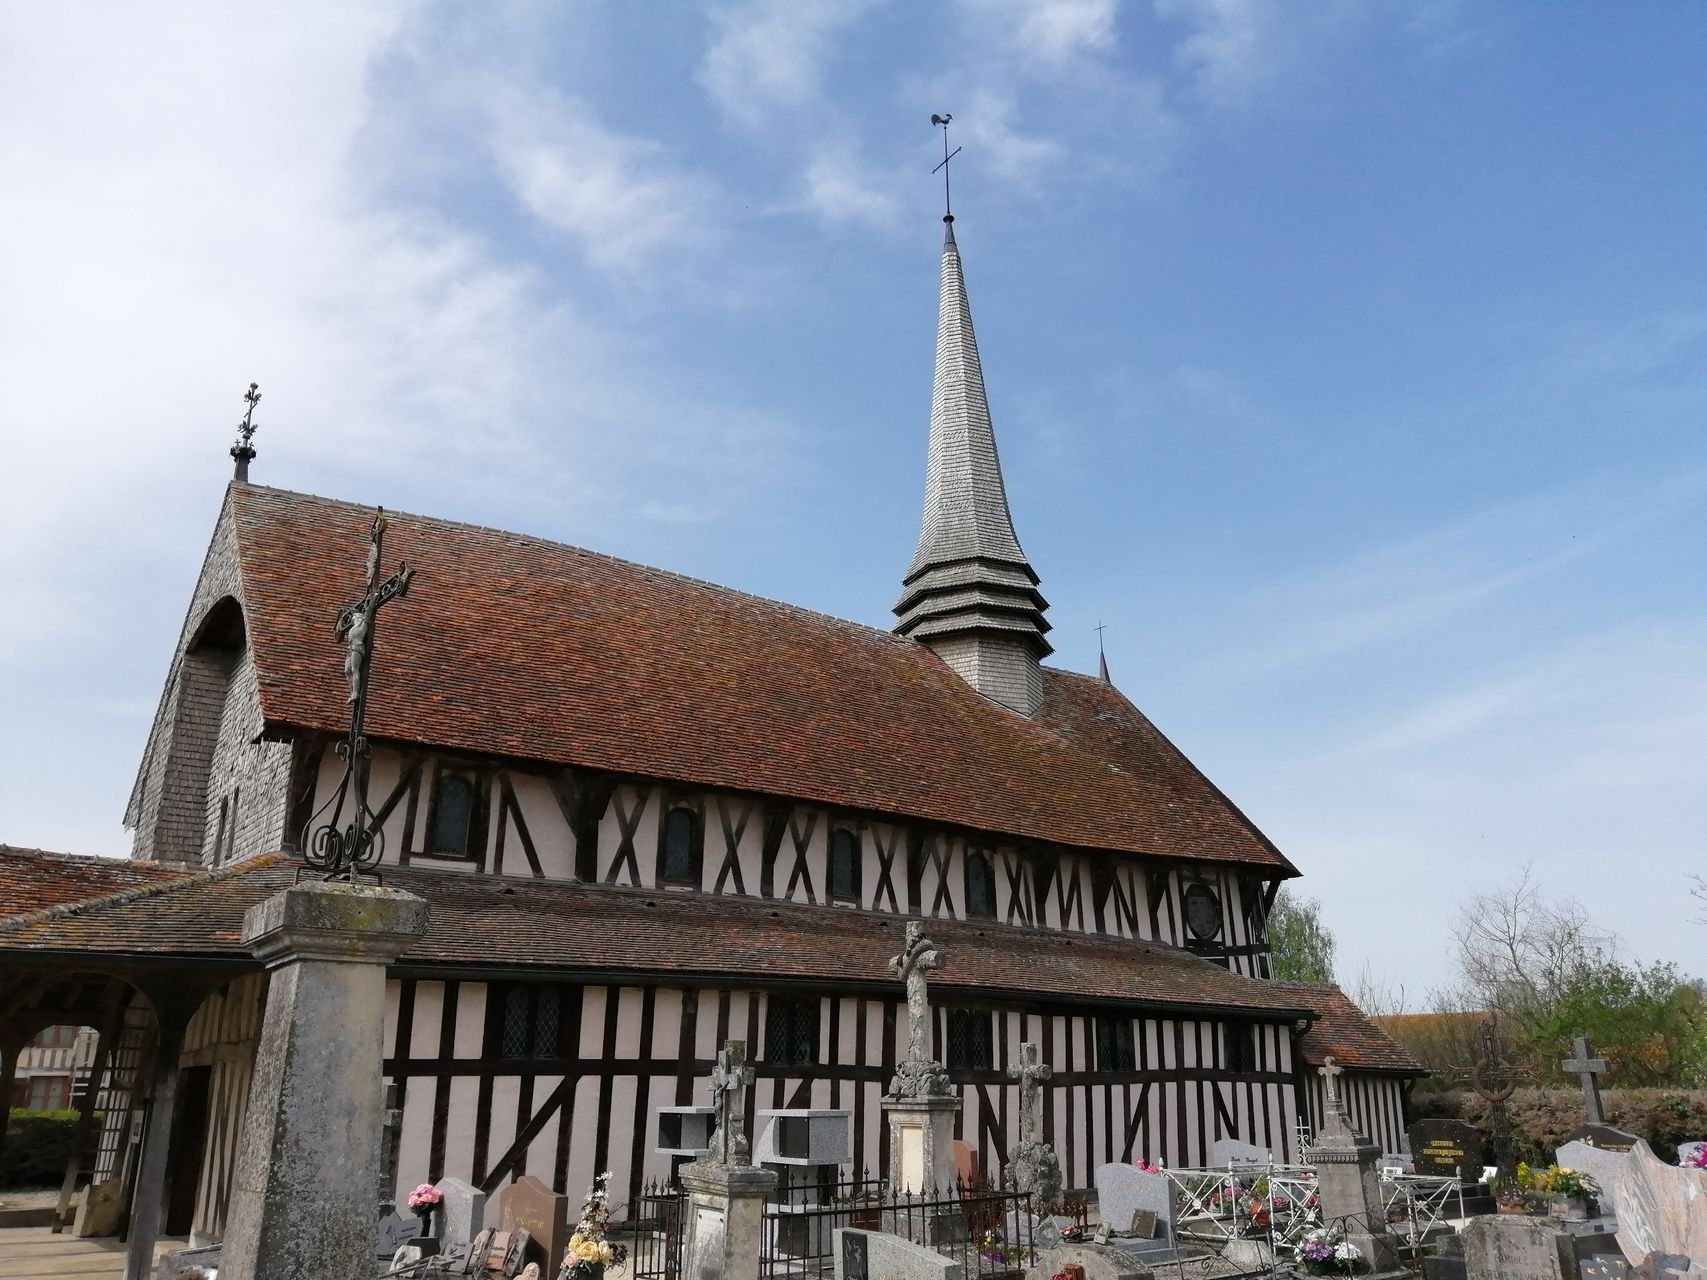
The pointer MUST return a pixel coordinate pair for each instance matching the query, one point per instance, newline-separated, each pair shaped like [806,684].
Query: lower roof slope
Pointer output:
[35,880]
[495,924]
[1346,1032]
[513,646]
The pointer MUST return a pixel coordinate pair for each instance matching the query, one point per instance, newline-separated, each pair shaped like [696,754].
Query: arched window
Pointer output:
[681,837]
[980,884]
[844,865]
[453,815]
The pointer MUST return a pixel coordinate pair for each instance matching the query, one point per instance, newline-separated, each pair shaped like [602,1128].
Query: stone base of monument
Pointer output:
[190,1264]
[725,1218]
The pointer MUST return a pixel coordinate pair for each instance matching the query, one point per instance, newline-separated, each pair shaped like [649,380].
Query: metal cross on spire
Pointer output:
[337,847]
[244,450]
[947,155]
[1102,656]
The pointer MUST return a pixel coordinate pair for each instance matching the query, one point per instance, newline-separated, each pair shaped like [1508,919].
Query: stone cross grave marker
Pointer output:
[730,1080]
[918,957]
[1031,1071]
[1334,1113]
[1586,1067]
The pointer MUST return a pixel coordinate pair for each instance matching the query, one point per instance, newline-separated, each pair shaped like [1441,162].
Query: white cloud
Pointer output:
[1046,35]
[617,196]
[769,57]
[1228,48]
[840,189]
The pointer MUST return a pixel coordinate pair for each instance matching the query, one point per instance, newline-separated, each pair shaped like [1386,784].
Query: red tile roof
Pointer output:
[33,880]
[488,924]
[1345,1031]
[512,646]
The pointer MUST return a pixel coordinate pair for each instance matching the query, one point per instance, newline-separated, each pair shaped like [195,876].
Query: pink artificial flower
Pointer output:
[424,1196]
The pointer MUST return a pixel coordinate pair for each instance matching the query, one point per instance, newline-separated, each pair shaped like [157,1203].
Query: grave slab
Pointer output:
[1517,1247]
[876,1255]
[1124,1192]
[1660,1209]
[461,1213]
[1603,1136]
[1599,1163]
[1232,1153]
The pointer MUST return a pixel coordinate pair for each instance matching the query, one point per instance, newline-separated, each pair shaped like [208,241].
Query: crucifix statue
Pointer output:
[917,958]
[730,1080]
[1586,1067]
[1031,1071]
[336,847]
[1333,1105]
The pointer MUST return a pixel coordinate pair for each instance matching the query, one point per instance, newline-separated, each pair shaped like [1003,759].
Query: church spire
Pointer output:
[970,593]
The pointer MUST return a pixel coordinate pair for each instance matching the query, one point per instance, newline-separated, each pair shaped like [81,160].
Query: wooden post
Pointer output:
[148,1199]
[105,1044]
[10,1048]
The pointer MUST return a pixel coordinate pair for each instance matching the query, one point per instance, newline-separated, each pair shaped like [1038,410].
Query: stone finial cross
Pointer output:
[1031,1071]
[1586,1067]
[1331,1071]
[730,1080]
[917,958]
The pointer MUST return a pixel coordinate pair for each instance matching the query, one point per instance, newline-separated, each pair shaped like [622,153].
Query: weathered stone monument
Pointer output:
[1661,1209]
[1515,1247]
[1033,1165]
[920,1106]
[1347,1183]
[874,1255]
[725,1214]
[302,1198]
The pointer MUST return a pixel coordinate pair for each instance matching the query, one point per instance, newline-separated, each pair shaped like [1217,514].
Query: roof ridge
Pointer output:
[135,893]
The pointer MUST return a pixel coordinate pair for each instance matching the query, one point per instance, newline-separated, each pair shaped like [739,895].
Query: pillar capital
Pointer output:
[334,920]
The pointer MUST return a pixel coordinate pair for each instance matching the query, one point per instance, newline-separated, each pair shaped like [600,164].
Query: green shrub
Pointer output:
[1541,1118]
[38,1144]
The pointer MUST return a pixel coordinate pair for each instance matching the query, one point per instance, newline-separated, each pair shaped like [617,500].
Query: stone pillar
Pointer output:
[725,1219]
[921,1143]
[303,1197]
[1350,1188]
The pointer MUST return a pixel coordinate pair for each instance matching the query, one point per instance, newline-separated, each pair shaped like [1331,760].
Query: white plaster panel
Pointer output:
[630,1003]
[415,1142]
[592,1022]
[429,1013]
[667,1024]
[541,1159]
[471,1019]
[553,843]
[459,1122]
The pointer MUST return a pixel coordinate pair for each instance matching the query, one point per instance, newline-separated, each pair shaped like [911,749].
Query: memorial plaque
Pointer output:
[708,1230]
[853,1256]
[793,1138]
[1143,1224]
[1602,1267]
[529,1205]
[1448,1148]
[1603,1136]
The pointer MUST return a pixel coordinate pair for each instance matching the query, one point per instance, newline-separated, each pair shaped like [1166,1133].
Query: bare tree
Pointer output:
[1378,995]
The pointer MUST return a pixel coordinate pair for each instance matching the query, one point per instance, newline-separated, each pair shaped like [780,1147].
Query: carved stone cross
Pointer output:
[1332,1103]
[1031,1071]
[1586,1067]
[917,958]
[730,1080]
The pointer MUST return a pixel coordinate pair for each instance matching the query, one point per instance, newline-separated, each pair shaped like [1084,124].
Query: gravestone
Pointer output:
[1604,1136]
[876,1255]
[1517,1247]
[1230,1153]
[529,1205]
[393,1232]
[1599,1163]
[1124,1192]
[462,1213]
[1448,1148]
[1659,1208]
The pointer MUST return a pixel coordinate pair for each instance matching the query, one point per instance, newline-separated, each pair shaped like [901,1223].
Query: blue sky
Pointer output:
[1347,361]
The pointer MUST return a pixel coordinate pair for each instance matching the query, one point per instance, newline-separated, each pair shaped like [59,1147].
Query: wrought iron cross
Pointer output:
[337,847]
[1585,1066]
[947,155]
[730,1080]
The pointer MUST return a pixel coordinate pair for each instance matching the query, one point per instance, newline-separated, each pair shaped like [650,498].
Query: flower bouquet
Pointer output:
[589,1253]
[422,1201]
[1326,1253]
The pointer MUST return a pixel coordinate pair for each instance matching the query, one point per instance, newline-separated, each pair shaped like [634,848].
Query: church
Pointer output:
[650,814]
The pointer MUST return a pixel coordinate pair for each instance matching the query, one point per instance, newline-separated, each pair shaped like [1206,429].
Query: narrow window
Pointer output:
[1116,1049]
[1241,1047]
[980,884]
[970,1042]
[844,865]
[218,850]
[791,1032]
[453,815]
[681,846]
[525,1021]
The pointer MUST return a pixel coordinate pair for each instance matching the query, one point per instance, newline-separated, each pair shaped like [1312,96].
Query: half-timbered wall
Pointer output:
[566,826]
[633,1049]
[223,1035]
[1376,1103]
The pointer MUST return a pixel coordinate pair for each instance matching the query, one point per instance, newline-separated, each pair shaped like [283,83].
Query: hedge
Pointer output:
[1542,1117]
[37,1145]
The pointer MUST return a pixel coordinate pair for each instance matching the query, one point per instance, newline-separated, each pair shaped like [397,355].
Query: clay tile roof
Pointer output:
[34,880]
[512,646]
[494,924]
[1345,1031]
